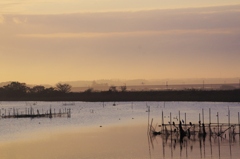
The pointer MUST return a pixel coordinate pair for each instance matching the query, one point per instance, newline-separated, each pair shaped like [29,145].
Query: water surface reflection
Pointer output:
[170,146]
[123,131]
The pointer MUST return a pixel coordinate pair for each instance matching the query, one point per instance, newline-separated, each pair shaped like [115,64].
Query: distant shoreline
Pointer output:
[107,96]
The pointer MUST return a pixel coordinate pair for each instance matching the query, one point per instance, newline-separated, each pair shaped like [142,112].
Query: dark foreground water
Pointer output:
[102,130]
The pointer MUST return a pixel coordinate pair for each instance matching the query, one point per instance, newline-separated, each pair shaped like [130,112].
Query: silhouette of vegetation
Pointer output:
[16,91]
[123,88]
[113,89]
[37,89]
[64,88]
[89,90]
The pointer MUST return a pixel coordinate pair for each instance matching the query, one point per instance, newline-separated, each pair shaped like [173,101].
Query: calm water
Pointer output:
[131,142]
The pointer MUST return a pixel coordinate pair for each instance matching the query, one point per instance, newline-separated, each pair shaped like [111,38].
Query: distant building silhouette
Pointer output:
[99,86]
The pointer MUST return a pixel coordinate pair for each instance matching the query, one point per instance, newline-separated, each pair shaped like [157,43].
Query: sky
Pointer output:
[47,41]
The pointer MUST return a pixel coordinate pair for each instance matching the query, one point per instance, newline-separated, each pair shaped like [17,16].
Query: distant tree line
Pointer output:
[16,91]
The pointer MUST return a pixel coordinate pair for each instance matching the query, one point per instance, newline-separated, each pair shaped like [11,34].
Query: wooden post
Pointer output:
[238,124]
[50,112]
[209,116]
[210,122]
[148,119]
[69,112]
[171,122]
[199,117]
[179,115]
[229,121]
[218,123]
[202,115]
[185,119]
[199,123]
[162,122]
[229,115]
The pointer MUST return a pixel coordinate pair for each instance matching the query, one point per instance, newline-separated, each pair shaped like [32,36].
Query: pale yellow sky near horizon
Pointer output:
[67,40]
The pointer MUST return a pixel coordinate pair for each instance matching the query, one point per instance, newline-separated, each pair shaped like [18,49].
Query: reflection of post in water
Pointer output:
[182,132]
[163,145]
[171,146]
[149,148]
[181,144]
[230,145]
[230,134]
[239,126]
[219,155]
[200,145]
[210,141]
[204,133]
[171,134]
[186,149]
[210,131]
[218,134]
[149,134]
[204,152]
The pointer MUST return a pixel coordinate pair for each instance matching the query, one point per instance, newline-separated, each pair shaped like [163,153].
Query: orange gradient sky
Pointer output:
[67,40]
